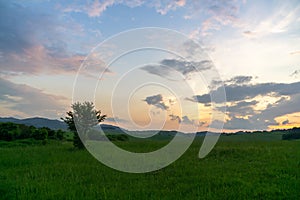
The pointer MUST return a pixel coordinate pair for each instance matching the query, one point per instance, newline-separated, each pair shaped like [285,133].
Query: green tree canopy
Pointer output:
[83,118]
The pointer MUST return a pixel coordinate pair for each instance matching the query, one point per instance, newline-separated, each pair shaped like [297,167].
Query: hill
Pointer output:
[37,122]
[53,124]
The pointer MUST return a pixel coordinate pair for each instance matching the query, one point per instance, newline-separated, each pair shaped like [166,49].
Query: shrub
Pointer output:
[292,134]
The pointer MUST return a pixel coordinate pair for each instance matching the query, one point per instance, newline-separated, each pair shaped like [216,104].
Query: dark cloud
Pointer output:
[241,109]
[185,120]
[156,100]
[237,80]
[186,67]
[285,122]
[205,98]
[240,80]
[162,106]
[243,92]
[158,70]
[249,124]
[243,104]
[167,66]
[295,74]
[265,118]
[239,123]
[280,108]
[31,101]
[175,118]
[248,33]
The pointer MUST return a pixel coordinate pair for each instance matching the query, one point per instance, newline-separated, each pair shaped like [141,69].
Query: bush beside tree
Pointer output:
[292,134]
[11,131]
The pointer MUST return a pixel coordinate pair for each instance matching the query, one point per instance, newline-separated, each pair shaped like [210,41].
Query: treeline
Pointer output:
[97,136]
[11,131]
[291,134]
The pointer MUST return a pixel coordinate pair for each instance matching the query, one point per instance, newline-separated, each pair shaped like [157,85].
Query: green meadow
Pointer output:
[252,166]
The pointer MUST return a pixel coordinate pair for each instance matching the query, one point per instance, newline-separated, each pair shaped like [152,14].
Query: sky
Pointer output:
[53,53]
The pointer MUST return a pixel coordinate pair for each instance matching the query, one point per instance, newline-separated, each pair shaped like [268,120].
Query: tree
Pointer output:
[41,134]
[9,131]
[60,134]
[292,134]
[82,119]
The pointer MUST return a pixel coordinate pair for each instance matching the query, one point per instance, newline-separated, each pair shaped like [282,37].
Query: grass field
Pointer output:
[260,166]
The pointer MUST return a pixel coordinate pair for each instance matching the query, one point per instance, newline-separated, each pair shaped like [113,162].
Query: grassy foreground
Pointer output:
[239,167]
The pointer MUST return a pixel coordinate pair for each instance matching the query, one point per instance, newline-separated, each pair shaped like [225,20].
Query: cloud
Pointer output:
[16,32]
[236,92]
[167,67]
[214,14]
[249,124]
[217,14]
[295,74]
[237,80]
[156,100]
[281,21]
[243,116]
[281,108]
[175,118]
[240,80]
[96,8]
[181,2]
[92,9]
[285,122]
[29,101]
[38,60]
[165,6]
[224,12]
[244,102]
[32,42]
[242,108]
[116,119]
[185,120]
[295,53]
[249,33]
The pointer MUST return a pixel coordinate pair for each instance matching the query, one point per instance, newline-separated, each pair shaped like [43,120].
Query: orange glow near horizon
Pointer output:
[287,121]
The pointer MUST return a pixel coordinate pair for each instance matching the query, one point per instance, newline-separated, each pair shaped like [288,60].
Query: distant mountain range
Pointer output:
[57,124]
[37,122]
[50,123]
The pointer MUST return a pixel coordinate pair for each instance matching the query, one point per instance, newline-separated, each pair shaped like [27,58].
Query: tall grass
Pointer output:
[236,169]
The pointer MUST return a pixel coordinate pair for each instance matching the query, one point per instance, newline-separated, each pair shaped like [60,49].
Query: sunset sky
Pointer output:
[253,44]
